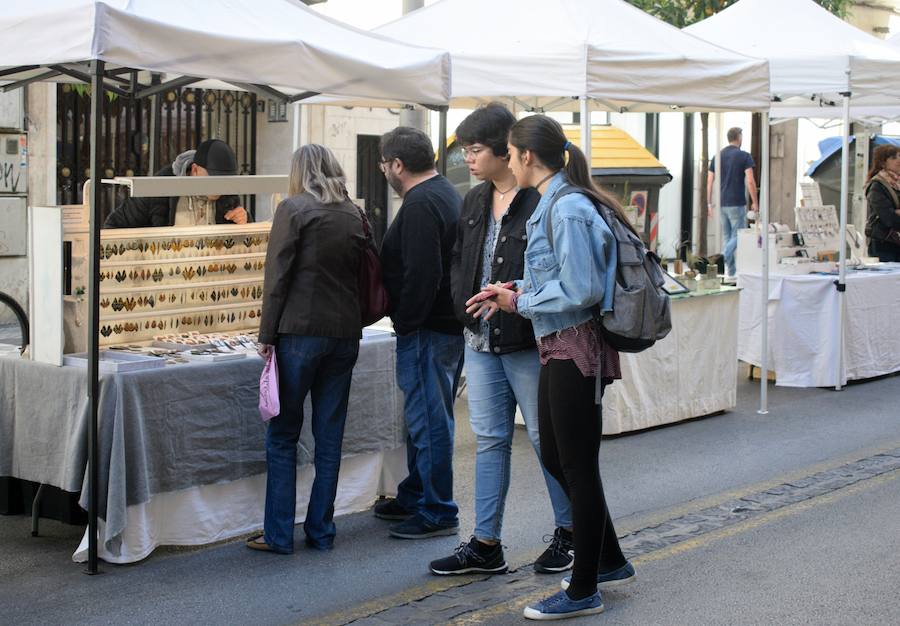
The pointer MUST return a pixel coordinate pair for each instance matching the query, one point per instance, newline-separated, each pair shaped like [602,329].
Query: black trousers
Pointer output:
[570,426]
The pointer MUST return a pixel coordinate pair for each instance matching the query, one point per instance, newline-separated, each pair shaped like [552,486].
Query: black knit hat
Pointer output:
[217,157]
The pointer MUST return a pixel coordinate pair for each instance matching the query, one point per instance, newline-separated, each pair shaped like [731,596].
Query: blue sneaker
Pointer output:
[560,606]
[609,580]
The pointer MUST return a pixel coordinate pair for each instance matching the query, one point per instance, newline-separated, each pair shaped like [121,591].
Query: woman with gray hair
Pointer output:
[311,319]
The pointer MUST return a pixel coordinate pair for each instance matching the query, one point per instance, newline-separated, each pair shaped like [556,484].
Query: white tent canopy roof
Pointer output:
[814,56]
[545,53]
[278,43]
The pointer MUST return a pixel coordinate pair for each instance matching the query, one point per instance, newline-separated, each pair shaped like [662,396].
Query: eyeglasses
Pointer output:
[382,164]
[472,151]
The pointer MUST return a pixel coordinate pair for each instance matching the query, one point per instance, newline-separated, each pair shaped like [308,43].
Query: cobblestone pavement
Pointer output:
[462,599]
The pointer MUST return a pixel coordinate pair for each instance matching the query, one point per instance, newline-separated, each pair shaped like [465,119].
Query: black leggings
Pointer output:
[570,426]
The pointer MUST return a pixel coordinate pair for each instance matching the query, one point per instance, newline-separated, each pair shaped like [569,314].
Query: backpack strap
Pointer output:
[566,190]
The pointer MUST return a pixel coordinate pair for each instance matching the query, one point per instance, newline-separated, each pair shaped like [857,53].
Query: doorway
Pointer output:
[371,185]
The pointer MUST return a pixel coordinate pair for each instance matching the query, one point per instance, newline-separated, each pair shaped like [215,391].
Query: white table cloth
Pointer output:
[803,318]
[207,513]
[690,373]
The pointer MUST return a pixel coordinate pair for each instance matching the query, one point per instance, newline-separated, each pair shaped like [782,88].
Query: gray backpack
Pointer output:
[641,310]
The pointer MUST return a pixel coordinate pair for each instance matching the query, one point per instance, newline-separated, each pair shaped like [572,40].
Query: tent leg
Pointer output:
[97,95]
[764,229]
[36,510]
[442,141]
[586,130]
[842,242]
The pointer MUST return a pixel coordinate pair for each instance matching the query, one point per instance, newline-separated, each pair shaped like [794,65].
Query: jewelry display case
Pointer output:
[153,281]
[156,281]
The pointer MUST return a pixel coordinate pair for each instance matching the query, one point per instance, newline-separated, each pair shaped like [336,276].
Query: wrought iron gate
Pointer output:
[186,117]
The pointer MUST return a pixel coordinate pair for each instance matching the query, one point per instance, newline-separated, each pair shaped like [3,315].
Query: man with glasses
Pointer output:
[415,257]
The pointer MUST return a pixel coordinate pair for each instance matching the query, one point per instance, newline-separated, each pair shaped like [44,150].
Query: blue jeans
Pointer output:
[496,383]
[322,366]
[429,365]
[733,219]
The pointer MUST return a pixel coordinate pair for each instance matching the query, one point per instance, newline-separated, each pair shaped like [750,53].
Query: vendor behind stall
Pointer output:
[213,157]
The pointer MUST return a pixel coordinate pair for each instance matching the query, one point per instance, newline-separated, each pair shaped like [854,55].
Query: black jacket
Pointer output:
[143,212]
[415,258]
[509,332]
[882,218]
[312,270]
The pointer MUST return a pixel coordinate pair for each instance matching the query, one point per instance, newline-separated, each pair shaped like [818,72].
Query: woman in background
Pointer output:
[311,319]
[883,196]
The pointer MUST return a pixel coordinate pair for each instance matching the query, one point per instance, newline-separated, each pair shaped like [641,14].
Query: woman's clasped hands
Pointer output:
[493,297]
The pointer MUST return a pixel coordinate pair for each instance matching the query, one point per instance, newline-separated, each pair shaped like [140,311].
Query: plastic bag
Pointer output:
[269,405]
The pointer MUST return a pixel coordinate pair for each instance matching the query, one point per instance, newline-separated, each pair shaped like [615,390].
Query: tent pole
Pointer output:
[442,141]
[97,95]
[153,154]
[764,231]
[586,131]
[717,190]
[296,125]
[842,242]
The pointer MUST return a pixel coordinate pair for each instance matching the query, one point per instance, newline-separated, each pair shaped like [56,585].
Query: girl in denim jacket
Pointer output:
[565,282]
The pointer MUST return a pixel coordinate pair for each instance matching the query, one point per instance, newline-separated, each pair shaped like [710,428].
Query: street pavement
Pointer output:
[740,518]
[10,333]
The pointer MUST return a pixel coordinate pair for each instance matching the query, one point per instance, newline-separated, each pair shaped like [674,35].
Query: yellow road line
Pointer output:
[637,521]
[517,605]
[630,524]
[404,597]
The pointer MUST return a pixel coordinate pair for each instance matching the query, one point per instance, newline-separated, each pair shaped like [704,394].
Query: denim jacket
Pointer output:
[562,284]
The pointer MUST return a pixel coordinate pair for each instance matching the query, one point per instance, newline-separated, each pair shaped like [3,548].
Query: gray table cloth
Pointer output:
[171,428]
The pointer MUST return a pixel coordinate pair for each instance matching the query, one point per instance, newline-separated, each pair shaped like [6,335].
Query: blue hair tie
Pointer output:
[566,145]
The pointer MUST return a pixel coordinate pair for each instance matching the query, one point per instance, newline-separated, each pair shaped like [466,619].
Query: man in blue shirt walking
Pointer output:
[737,181]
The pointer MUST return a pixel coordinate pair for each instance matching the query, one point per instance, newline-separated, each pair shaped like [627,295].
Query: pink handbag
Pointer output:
[269,405]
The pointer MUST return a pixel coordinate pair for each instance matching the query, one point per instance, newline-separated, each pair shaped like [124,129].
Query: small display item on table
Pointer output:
[117,361]
[212,355]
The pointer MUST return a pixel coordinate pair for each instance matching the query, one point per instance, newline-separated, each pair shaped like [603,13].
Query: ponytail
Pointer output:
[544,137]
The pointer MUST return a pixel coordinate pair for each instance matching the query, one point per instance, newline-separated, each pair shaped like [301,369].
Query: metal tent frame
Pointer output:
[124,82]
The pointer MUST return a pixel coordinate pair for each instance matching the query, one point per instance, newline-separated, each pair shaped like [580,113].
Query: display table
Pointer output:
[182,457]
[803,319]
[690,373]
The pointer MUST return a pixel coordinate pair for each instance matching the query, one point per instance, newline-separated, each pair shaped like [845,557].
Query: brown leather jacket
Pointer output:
[312,269]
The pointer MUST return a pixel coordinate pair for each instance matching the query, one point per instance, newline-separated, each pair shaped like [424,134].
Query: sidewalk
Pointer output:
[650,477]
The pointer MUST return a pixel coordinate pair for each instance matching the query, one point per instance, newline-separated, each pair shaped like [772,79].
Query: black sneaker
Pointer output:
[390,509]
[416,527]
[559,555]
[472,558]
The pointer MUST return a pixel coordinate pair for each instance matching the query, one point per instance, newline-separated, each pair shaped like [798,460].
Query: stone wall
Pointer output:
[334,127]
[40,120]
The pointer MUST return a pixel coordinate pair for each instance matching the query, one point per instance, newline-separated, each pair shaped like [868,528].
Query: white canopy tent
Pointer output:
[546,53]
[279,44]
[276,47]
[821,66]
[585,55]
